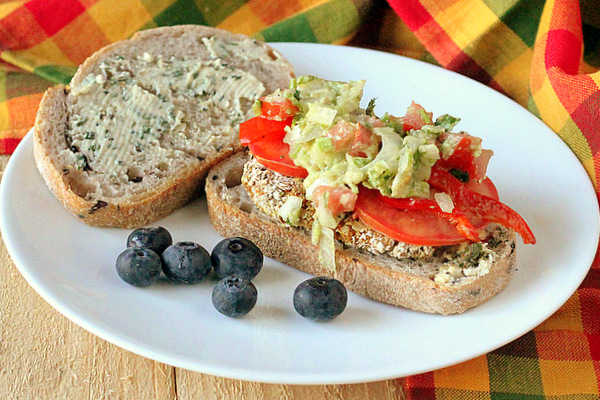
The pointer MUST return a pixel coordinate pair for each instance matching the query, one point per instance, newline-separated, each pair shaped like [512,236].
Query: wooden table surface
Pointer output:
[43,355]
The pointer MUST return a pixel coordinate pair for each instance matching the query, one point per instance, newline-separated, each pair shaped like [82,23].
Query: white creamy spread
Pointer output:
[146,110]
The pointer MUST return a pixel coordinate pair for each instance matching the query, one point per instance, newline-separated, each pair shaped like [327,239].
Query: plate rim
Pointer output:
[263,376]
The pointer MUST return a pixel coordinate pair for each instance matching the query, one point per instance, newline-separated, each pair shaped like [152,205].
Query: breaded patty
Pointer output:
[269,190]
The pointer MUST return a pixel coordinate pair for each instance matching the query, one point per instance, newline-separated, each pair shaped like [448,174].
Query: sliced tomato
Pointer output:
[458,219]
[416,116]
[279,109]
[283,168]
[420,227]
[273,153]
[480,206]
[258,128]
[339,199]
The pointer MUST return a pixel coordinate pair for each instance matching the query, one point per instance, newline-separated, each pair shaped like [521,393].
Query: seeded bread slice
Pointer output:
[134,134]
[383,278]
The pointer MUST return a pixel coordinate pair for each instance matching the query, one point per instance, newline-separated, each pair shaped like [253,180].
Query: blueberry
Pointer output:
[138,266]
[237,256]
[186,262]
[156,238]
[320,299]
[234,296]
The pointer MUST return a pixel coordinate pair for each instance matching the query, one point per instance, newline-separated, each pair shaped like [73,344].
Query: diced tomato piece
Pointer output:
[416,116]
[480,164]
[401,120]
[278,109]
[274,154]
[352,137]
[462,223]
[339,199]
[462,156]
[363,138]
[375,122]
[258,128]
[485,187]
[420,227]
[480,206]
[342,135]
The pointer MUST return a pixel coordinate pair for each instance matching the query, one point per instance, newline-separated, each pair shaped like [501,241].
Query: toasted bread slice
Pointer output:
[381,277]
[144,119]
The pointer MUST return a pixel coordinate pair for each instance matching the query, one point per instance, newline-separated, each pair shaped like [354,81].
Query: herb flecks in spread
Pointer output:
[410,178]
[148,110]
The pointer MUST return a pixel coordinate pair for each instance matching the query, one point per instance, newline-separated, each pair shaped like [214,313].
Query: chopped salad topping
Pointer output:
[409,177]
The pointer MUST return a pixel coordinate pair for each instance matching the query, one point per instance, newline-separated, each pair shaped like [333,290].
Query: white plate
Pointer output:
[72,265]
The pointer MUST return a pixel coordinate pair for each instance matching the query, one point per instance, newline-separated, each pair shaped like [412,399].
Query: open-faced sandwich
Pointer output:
[397,208]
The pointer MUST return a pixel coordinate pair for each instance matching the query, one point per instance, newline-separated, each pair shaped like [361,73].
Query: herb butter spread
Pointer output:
[135,118]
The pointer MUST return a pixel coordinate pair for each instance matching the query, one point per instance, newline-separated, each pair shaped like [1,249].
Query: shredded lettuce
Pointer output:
[446,121]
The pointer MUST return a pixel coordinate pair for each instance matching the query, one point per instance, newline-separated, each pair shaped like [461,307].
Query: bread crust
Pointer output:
[358,271]
[176,191]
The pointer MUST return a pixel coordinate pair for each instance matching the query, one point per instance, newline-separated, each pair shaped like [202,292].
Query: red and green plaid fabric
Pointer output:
[543,54]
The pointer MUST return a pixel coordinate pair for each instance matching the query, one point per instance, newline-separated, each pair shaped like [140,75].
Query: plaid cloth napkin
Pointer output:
[541,53]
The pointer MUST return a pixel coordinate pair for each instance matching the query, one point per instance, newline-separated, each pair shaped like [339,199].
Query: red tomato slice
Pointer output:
[416,117]
[418,227]
[283,168]
[273,153]
[483,207]
[461,222]
[258,128]
[279,110]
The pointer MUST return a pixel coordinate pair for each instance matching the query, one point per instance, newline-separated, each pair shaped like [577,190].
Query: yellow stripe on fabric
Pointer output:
[573,137]
[307,4]
[155,7]
[514,78]
[546,19]
[470,375]
[45,53]
[596,78]
[5,122]
[466,21]
[9,7]
[568,377]
[119,20]
[497,48]
[4,116]
[551,110]
[344,40]
[568,317]
[243,21]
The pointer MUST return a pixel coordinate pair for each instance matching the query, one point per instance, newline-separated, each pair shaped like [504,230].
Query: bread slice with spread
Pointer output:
[134,134]
[398,208]
[443,280]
